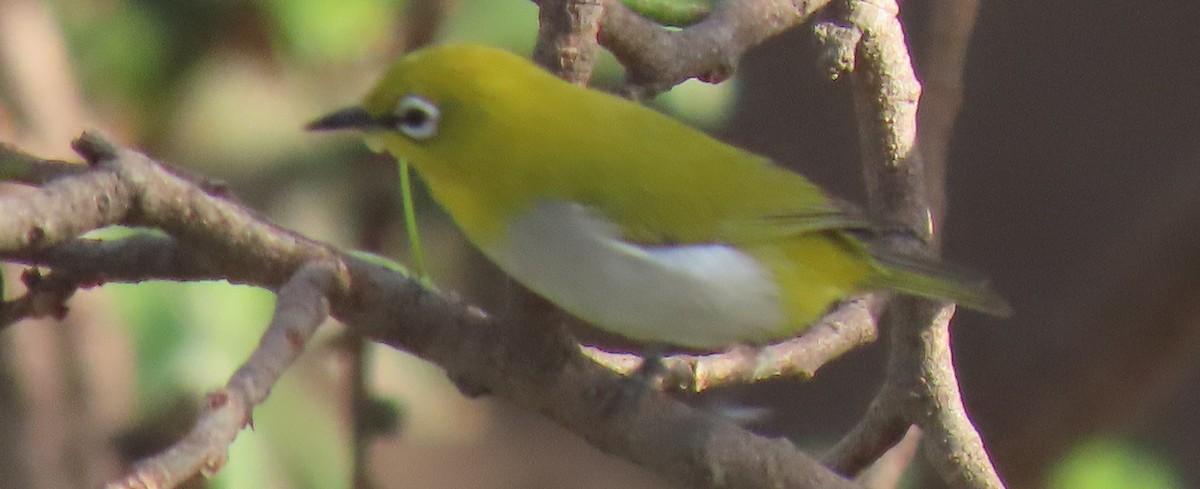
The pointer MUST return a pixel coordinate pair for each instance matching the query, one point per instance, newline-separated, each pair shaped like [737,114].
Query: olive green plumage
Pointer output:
[585,196]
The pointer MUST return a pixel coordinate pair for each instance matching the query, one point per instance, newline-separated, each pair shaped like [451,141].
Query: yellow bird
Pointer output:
[622,216]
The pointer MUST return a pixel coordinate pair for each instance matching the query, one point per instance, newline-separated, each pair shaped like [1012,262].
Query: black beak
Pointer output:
[354,118]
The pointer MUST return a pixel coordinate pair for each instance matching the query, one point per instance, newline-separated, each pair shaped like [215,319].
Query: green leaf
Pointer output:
[1109,463]
[393,266]
[330,29]
[701,104]
[674,13]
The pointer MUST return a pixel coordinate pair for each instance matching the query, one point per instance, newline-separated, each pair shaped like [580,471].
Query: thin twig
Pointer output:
[941,53]
[879,429]
[952,445]
[849,326]
[45,296]
[920,385]
[18,167]
[888,471]
[657,58]
[420,24]
[301,307]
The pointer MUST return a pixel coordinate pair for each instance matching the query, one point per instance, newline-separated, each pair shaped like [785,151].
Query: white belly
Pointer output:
[698,296]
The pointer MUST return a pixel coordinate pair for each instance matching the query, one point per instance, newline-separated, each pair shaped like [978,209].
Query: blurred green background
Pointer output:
[222,88]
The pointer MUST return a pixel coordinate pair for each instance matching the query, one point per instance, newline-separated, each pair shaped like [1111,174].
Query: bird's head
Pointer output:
[443,104]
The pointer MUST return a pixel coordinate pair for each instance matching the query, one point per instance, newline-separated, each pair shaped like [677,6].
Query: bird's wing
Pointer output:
[812,219]
[704,224]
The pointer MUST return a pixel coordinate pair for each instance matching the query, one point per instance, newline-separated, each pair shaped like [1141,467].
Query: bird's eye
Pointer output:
[416,117]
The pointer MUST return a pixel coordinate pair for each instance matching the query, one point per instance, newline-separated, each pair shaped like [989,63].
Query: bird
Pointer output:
[630,220]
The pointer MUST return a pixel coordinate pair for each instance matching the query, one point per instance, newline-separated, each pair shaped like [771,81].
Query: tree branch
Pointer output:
[657,59]
[920,385]
[878,430]
[849,326]
[301,306]
[566,43]
[44,296]
[533,365]
[537,369]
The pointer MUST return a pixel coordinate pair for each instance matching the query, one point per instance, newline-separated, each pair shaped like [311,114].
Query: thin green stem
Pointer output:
[410,221]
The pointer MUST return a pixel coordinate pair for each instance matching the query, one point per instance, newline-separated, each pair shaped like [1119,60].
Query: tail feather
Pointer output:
[933,279]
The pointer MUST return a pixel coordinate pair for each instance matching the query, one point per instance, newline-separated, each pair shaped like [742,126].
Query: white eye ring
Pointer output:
[416,117]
